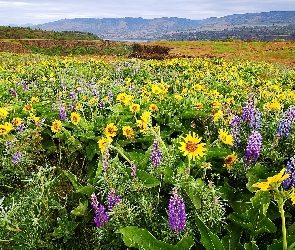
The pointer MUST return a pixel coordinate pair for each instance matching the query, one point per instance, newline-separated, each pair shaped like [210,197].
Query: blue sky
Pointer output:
[39,11]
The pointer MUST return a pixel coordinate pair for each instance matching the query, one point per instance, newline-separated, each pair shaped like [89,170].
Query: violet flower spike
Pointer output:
[177,214]
[101,216]
[290,181]
[113,199]
[253,148]
[156,154]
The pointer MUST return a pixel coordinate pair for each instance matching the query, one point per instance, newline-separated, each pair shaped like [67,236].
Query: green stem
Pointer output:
[160,141]
[121,153]
[284,231]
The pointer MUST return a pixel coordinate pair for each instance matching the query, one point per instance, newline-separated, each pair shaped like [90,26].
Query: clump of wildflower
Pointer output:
[290,181]
[176,211]
[113,199]
[101,216]
[156,154]
[192,146]
[253,148]
[16,158]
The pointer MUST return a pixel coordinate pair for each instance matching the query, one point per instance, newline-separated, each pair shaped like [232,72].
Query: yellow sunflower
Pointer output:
[16,121]
[56,126]
[134,107]
[128,132]
[103,143]
[192,146]
[154,108]
[75,118]
[110,130]
[225,137]
[3,112]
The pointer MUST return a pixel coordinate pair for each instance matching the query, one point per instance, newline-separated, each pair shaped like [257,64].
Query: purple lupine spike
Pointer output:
[176,210]
[285,124]
[102,104]
[13,92]
[16,158]
[290,181]
[73,95]
[25,85]
[251,115]
[113,199]
[234,129]
[253,148]
[101,216]
[133,170]
[156,154]
[62,113]
[20,128]
[110,96]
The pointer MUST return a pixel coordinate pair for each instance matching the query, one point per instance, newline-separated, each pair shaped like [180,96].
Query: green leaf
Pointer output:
[86,190]
[73,179]
[140,238]
[217,152]
[208,239]
[278,244]
[91,150]
[232,240]
[251,246]
[81,210]
[192,192]
[147,179]
[168,175]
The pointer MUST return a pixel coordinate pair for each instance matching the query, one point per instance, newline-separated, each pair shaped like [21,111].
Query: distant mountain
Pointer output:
[129,28]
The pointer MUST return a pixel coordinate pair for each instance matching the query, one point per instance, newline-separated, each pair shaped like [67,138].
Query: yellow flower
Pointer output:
[110,130]
[16,121]
[197,87]
[278,178]
[272,181]
[142,125]
[225,137]
[230,160]
[128,132]
[146,116]
[103,143]
[218,115]
[192,146]
[75,118]
[134,108]
[292,196]
[5,128]
[264,186]
[35,118]
[92,101]
[153,108]
[3,112]
[156,90]
[178,97]
[216,104]
[28,107]
[198,105]
[56,126]
[34,99]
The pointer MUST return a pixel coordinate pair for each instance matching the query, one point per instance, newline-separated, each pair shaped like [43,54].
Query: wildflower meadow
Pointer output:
[191,153]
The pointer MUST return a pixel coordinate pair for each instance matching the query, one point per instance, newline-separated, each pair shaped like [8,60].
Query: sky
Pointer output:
[44,11]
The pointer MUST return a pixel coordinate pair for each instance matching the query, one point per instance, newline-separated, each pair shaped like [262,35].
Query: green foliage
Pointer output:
[142,239]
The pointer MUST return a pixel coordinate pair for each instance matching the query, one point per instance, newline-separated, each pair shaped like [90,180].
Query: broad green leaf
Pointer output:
[140,238]
[192,192]
[232,240]
[208,239]
[86,190]
[278,244]
[251,246]
[217,152]
[82,209]
[73,179]
[147,179]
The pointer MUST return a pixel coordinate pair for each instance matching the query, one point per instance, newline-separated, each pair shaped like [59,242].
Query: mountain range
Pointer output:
[130,28]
